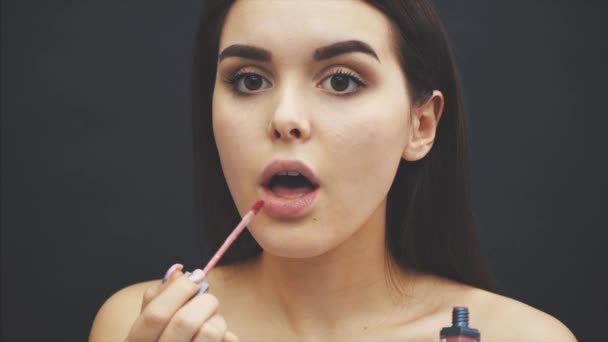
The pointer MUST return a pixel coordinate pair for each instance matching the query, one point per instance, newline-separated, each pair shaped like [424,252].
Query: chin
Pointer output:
[297,252]
[290,242]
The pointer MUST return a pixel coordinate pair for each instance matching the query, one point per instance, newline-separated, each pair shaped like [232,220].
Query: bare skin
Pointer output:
[322,277]
[419,317]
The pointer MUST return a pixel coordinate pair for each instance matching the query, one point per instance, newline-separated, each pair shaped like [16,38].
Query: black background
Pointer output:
[96,169]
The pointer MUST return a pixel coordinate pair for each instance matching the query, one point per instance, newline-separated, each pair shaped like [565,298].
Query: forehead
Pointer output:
[295,26]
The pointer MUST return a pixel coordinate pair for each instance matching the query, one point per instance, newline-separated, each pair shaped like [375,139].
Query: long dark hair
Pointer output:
[429,223]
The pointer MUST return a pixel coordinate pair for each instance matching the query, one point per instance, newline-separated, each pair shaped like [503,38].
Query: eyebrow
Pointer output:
[245,51]
[322,53]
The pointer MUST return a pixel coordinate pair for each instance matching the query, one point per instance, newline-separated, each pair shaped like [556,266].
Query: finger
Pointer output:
[188,320]
[171,270]
[153,291]
[219,322]
[230,337]
[158,312]
[212,330]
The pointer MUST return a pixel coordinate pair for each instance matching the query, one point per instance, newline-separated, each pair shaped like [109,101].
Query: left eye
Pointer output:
[250,82]
[342,83]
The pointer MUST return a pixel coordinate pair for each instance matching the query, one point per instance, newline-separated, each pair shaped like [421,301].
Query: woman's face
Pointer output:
[341,109]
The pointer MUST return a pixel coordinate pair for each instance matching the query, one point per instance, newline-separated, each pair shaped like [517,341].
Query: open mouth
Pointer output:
[290,184]
[289,188]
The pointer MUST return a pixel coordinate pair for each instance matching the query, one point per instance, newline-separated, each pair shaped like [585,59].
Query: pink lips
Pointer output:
[278,206]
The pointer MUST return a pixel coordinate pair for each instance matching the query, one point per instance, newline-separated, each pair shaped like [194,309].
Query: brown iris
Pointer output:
[339,82]
[252,82]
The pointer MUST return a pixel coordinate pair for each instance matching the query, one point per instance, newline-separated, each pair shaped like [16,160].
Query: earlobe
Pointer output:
[425,119]
[416,150]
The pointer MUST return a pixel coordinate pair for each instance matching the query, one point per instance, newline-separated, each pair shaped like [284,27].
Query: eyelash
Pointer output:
[351,75]
[232,80]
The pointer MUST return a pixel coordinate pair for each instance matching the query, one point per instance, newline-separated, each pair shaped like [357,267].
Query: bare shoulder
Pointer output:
[116,316]
[497,317]
[500,318]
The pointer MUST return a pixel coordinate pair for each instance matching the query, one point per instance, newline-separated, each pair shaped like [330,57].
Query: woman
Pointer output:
[346,117]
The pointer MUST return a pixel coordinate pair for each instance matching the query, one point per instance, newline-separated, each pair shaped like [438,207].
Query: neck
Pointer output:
[346,289]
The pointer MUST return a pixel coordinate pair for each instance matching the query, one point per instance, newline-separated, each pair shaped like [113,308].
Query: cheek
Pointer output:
[366,149]
[232,132]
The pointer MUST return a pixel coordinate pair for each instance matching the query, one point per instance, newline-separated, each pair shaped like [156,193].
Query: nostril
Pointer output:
[295,133]
[277,134]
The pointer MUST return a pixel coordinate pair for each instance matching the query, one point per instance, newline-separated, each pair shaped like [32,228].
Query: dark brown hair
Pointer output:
[429,225]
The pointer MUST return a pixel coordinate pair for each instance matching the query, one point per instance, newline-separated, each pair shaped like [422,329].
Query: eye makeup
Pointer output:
[246,77]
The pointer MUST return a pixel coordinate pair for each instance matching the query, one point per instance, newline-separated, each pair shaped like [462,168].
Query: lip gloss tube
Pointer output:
[460,330]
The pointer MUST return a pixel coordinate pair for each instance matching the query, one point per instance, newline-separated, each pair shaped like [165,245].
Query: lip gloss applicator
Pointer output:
[230,239]
[198,275]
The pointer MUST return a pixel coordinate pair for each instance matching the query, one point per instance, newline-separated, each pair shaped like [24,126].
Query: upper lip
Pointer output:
[277,166]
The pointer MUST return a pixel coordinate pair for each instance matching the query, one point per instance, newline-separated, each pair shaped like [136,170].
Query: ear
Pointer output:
[424,125]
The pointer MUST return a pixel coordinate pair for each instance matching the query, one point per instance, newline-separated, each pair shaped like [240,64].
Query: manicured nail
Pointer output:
[171,270]
[203,288]
[197,276]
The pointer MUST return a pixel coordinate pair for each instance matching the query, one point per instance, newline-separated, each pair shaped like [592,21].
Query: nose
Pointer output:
[289,122]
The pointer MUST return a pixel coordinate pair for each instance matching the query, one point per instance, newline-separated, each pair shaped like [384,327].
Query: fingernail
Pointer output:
[171,270]
[197,276]
[230,336]
[203,288]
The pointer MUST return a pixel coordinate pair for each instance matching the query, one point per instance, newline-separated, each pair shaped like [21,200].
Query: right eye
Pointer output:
[248,82]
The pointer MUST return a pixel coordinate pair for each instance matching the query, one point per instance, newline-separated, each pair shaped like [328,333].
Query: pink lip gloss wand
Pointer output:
[460,330]
[198,275]
[230,239]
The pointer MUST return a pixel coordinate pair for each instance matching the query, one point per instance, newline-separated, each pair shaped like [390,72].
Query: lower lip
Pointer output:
[288,207]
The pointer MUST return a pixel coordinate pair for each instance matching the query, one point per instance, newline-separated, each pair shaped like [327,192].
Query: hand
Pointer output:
[170,312]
